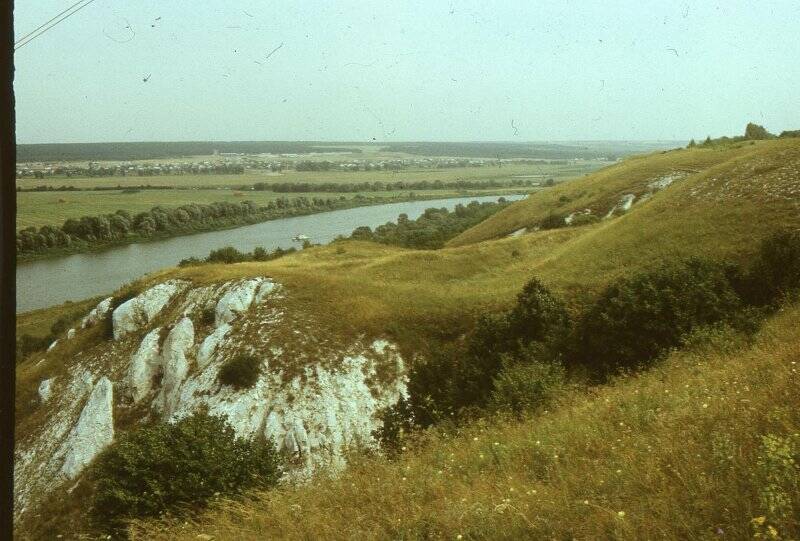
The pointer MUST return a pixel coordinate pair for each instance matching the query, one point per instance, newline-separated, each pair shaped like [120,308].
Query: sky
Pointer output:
[425,70]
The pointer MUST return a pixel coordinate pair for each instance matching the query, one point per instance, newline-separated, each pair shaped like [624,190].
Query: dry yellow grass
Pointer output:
[743,162]
[675,453]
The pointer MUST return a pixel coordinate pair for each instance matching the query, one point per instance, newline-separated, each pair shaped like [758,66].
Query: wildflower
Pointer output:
[481,455]
[705,405]
[497,443]
[475,438]
[585,502]
[759,521]
[459,536]
[619,471]
[404,478]
[621,514]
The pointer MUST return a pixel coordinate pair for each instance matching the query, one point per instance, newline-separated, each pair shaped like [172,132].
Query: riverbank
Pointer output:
[88,247]
[52,281]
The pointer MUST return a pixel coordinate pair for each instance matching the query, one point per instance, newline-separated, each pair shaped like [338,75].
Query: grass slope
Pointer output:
[691,449]
[737,195]
[724,172]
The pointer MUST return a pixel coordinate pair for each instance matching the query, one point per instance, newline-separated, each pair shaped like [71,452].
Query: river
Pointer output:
[49,282]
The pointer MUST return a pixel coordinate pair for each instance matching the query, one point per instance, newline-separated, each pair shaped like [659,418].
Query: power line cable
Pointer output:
[48,22]
[64,15]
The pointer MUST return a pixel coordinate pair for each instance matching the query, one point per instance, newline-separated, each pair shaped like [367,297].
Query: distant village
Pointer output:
[233,164]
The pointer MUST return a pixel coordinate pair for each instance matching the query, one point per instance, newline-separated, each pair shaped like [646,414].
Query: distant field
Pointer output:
[506,172]
[53,208]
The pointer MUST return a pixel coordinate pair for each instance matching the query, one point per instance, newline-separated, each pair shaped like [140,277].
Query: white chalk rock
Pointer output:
[97,313]
[46,389]
[209,346]
[266,288]
[130,316]
[144,365]
[51,346]
[238,299]
[93,431]
[175,363]
[70,334]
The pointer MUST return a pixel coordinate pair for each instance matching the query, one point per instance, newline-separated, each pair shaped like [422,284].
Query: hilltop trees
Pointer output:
[754,131]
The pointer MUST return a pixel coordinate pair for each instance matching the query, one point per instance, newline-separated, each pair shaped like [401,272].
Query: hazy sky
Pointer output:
[403,70]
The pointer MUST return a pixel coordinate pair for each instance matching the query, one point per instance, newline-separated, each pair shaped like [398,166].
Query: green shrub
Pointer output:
[208,316]
[455,378]
[228,254]
[584,219]
[173,467]
[776,271]
[27,344]
[525,385]
[638,318]
[397,423]
[552,221]
[241,372]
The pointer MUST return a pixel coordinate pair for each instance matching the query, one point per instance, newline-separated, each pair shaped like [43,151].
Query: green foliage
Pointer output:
[786,134]
[754,131]
[553,221]
[171,467]
[433,228]
[229,255]
[778,470]
[397,422]
[457,377]
[584,219]
[776,271]
[525,384]
[27,344]
[637,318]
[208,316]
[241,372]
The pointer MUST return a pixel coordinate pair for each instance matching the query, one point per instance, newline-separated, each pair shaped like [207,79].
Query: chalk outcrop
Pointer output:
[137,312]
[97,313]
[318,394]
[94,430]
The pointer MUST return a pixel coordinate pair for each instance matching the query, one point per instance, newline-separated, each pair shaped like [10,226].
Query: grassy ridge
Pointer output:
[740,164]
[689,450]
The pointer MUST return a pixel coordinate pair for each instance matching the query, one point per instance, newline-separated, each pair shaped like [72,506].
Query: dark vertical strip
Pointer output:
[7,268]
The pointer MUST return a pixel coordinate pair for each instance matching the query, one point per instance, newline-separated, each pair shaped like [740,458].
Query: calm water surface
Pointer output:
[52,281]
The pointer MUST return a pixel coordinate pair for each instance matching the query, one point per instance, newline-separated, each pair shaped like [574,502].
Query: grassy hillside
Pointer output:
[676,452]
[743,177]
[699,447]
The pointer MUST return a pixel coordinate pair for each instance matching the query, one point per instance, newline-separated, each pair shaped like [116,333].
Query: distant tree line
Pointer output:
[153,150]
[118,187]
[229,255]
[160,221]
[433,228]
[333,187]
[752,132]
